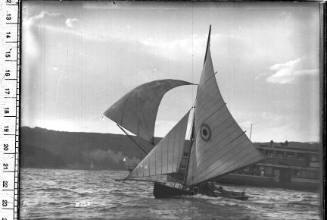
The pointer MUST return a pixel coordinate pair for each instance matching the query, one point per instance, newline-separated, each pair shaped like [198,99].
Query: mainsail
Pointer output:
[220,144]
[137,110]
[217,146]
[165,157]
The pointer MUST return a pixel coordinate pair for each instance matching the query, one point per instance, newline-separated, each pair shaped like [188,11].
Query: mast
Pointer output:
[192,137]
[188,150]
[220,145]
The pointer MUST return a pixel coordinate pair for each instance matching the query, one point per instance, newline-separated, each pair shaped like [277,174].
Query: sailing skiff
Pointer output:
[216,146]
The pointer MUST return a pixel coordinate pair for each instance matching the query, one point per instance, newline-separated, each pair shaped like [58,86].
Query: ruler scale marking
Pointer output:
[10,104]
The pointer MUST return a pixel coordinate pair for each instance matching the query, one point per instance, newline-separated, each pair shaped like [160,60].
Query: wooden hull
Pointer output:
[161,190]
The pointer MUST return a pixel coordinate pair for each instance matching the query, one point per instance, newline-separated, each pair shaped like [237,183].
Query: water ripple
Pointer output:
[78,194]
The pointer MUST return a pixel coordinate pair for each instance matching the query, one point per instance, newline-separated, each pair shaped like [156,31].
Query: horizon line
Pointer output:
[37,127]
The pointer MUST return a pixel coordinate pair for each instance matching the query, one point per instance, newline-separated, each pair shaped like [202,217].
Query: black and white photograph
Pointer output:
[170,110]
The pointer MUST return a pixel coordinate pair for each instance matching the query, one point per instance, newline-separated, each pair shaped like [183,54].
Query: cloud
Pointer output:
[43,14]
[157,45]
[30,32]
[54,22]
[70,22]
[194,45]
[285,73]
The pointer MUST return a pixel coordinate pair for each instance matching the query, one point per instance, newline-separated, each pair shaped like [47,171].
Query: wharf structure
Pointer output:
[290,165]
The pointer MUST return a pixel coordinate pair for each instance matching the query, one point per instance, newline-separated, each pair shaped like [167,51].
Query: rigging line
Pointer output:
[123,111]
[192,135]
[139,146]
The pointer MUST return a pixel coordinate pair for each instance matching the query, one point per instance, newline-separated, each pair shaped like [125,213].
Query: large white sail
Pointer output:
[165,157]
[137,110]
[220,144]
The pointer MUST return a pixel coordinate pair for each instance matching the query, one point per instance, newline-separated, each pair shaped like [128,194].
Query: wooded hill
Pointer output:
[42,148]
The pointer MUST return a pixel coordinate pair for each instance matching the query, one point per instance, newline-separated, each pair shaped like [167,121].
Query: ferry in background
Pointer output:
[290,165]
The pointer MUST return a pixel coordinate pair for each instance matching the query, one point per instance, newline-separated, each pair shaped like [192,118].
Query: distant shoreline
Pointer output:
[49,149]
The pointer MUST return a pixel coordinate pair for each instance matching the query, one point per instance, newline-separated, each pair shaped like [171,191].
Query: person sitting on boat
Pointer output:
[211,186]
[207,188]
[220,189]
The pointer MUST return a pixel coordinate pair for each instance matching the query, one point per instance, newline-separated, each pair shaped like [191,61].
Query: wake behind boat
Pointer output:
[216,146]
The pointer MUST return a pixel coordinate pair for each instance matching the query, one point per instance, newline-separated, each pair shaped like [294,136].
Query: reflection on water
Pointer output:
[79,194]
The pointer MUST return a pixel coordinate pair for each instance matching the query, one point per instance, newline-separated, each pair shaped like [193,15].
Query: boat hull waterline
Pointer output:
[163,191]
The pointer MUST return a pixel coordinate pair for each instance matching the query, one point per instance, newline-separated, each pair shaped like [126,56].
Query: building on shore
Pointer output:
[290,165]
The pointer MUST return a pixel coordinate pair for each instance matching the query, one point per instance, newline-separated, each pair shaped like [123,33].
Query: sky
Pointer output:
[79,58]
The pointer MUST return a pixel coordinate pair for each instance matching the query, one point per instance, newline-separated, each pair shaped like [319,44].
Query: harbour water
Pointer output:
[92,194]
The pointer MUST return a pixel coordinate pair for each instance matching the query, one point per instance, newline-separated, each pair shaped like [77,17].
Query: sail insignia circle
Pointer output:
[205,132]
